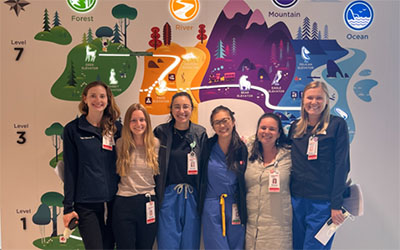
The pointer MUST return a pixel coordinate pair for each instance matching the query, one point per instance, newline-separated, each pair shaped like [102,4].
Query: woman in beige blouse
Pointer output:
[134,221]
[269,223]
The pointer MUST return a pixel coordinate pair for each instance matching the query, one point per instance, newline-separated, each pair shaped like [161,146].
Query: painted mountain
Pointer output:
[246,52]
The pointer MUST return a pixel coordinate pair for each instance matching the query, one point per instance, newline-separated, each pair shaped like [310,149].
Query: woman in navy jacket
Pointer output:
[320,165]
[90,174]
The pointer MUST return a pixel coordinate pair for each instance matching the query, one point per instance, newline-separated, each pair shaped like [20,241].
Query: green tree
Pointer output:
[53,200]
[124,14]
[89,36]
[55,131]
[84,38]
[220,51]
[116,34]
[56,20]
[46,22]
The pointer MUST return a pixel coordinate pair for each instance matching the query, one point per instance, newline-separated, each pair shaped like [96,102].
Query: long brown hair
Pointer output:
[323,122]
[128,145]
[111,112]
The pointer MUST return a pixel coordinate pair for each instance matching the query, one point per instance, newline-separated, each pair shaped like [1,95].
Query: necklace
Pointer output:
[176,132]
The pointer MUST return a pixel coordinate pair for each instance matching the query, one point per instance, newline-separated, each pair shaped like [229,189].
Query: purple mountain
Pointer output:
[245,50]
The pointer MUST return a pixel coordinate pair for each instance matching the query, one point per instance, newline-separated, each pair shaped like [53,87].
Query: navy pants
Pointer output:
[308,218]
[95,230]
[129,223]
[179,222]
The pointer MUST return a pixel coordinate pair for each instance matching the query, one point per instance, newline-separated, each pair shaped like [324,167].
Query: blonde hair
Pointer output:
[128,144]
[323,122]
[111,112]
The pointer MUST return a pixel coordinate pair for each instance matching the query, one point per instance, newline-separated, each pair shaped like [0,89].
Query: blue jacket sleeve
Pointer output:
[70,168]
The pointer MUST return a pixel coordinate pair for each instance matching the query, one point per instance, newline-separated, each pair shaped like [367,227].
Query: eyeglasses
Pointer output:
[184,107]
[223,121]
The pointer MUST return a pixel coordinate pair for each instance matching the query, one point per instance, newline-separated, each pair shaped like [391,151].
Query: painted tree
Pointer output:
[124,14]
[280,50]
[314,32]
[220,51]
[326,34]
[53,200]
[167,34]
[155,38]
[55,131]
[90,36]
[104,31]
[84,38]
[306,29]
[298,36]
[71,76]
[234,49]
[227,50]
[46,22]
[273,53]
[116,34]
[202,33]
[42,217]
[56,20]
[319,35]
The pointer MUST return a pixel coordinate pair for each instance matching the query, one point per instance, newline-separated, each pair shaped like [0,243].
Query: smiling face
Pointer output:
[314,102]
[268,132]
[181,110]
[138,123]
[96,99]
[223,124]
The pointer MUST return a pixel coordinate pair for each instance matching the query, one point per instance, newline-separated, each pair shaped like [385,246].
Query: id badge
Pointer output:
[235,215]
[108,142]
[150,212]
[312,149]
[274,182]
[192,168]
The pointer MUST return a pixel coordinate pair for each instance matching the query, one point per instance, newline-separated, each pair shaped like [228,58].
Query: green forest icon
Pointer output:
[56,34]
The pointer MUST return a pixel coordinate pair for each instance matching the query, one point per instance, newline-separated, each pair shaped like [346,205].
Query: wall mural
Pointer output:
[249,54]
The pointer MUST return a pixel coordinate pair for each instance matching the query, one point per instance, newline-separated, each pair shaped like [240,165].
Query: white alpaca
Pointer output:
[90,55]
[244,84]
[112,77]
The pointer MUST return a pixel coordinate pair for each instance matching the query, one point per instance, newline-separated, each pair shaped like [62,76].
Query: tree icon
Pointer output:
[43,215]
[55,131]
[124,14]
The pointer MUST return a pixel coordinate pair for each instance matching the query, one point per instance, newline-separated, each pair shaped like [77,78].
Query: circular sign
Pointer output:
[184,10]
[284,3]
[81,6]
[358,15]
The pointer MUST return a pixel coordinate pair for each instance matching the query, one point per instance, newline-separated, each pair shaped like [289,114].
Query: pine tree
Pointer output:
[116,34]
[90,36]
[326,35]
[306,29]
[220,51]
[234,46]
[298,37]
[314,33]
[46,25]
[56,20]
[71,77]
[84,38]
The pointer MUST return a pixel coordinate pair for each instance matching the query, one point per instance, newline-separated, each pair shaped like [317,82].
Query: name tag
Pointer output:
[150,212]
[274,182]
[235,215]
[192,168]
[312,149]
[108,142]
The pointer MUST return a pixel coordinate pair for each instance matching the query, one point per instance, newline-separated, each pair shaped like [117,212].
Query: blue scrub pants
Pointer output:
[179,222]
[212,226]
[308,218]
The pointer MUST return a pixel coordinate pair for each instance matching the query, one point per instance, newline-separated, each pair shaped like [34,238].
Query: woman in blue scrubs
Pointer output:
[223,199]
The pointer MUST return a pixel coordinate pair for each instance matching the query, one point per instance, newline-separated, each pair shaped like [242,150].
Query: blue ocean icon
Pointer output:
[358,15]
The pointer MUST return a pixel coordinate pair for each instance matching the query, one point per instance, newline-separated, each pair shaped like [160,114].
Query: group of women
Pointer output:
[127,185]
